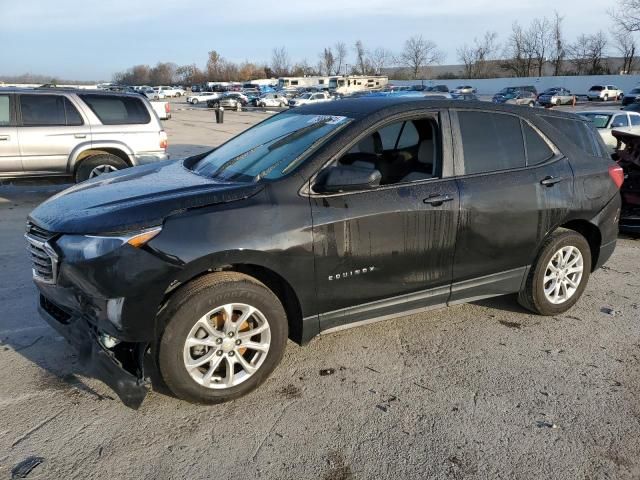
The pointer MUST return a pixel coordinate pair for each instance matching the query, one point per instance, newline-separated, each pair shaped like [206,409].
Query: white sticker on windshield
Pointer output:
[328,119]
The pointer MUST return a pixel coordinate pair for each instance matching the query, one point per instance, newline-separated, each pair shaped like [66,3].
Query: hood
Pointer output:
[133,199]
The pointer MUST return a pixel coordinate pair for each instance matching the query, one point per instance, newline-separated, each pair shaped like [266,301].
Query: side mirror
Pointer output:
[348,178]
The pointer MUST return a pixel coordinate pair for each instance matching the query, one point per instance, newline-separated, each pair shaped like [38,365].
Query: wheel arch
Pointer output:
[590,232]
[120,151]
[273,280]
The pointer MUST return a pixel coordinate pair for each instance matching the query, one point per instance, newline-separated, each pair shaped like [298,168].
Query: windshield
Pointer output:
[635,91]
[270,150]
[599,120]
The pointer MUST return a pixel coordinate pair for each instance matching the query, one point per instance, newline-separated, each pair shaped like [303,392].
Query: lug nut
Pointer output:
[231,354]
[238,342]
[230,334]
[219,353]
[218,341]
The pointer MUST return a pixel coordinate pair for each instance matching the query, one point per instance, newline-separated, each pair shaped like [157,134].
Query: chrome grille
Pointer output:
[44,259]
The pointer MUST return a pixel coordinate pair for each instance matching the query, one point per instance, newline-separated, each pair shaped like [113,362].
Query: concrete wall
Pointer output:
[578,85]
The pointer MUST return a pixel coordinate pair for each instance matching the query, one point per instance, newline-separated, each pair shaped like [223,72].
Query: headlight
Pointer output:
[86,247]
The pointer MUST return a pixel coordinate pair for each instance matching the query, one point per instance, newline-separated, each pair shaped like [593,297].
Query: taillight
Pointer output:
[164,143]
[617,175]
[167,108]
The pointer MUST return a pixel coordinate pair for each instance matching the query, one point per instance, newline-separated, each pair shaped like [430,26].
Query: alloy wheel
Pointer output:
[101,170]
[227,346]
[563,275]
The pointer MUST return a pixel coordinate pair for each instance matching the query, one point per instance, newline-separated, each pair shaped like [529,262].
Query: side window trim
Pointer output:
[440,115]
[458,150]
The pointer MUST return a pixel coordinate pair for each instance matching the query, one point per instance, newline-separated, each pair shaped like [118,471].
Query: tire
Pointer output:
[90,167]
[531,104]
[606,98]
[183,317]
[215,105]
[533,296]
[194,101]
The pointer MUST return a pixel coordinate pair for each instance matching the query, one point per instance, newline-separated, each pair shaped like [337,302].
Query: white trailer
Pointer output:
[357,83]
[296,82]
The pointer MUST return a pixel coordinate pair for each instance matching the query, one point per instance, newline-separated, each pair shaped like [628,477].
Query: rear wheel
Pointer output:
[560,274]
[606,98]
[225,333]
[531,104]
[194,101]
[97,165]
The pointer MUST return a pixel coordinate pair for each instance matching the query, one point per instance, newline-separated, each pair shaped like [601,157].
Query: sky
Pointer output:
[92,39]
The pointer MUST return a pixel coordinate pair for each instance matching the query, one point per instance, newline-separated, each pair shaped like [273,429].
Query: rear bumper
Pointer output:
[144,158]
[111,366]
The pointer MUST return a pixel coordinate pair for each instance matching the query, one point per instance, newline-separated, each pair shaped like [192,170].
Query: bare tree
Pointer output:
[327,61]
[162,73]
[361,57]
[540,39]
[587,53]
[340,56]
[214,66]
[627,15]
[558,48]
[280,61]
[477,58]
[419,53]
[378,59]
[626,45]
[520,51]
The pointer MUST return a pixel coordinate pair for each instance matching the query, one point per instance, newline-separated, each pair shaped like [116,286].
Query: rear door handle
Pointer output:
[437,200]
[4,138]
[551,181]
[80,135]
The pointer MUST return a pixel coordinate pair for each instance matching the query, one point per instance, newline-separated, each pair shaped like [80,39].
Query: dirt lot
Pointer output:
[484,390]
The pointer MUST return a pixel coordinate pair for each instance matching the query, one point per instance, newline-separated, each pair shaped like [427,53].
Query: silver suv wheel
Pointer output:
[563,275]
[227,346]
[102,169]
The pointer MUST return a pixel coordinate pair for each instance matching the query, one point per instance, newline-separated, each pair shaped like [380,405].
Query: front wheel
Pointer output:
[194,101]
[97,165]
[559,275]
[606,98]
[225,333]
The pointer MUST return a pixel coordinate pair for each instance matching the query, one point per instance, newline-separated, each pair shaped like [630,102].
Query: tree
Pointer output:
[586,54]
[477,58]
[214,66]
[627,15]
[519,52]
[361,55]
[162,73]
[327,61]
[558,51]
[190,75]
[626,45]
[540,38]
[419,53]
[340,56]
[378,59]
[280,62]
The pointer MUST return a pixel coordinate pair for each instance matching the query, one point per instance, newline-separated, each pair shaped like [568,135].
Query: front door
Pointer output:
[9,148]
[389,249]
[52,127]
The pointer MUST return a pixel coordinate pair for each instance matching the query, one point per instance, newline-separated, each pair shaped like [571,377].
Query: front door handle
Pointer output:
[550,181]
[437,200]
[4,138]
[80,135]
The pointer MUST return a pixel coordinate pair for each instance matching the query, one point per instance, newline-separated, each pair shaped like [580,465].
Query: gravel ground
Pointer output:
[483,390]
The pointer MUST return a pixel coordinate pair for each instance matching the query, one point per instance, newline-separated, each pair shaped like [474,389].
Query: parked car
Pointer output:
[310,98]
[150,93]
[465,96]
[606,121]
[162,109]
[77,133]
[632,97]
[437,88]
[229,100]
[632,107]
[524,95]
[199,97]
[169,91]
[604,93]
[272,100]
[317,219]
[463,90]
[628,157]
[556,96]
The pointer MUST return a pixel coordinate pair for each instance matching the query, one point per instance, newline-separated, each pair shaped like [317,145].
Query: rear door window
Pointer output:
[620,121]
[5,110]
[117,110]
[491,142]
[538,151]
[635,120]
[42,110]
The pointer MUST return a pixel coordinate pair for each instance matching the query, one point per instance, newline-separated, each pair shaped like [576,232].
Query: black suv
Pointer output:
[317,219]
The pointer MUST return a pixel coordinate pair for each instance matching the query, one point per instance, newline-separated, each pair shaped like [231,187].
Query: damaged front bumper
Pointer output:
[120,367]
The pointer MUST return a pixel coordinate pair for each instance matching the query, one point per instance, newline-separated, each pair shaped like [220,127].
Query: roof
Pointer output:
[50,90]
[361,107]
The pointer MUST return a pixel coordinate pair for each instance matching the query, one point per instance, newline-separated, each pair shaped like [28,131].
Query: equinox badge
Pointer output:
[343,275]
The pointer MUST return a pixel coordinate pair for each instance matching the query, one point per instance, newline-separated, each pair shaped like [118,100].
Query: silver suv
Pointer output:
[78,133]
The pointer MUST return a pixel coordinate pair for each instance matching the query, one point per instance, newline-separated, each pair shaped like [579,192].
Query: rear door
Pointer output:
[9,148]
[499,217]
[51,127]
